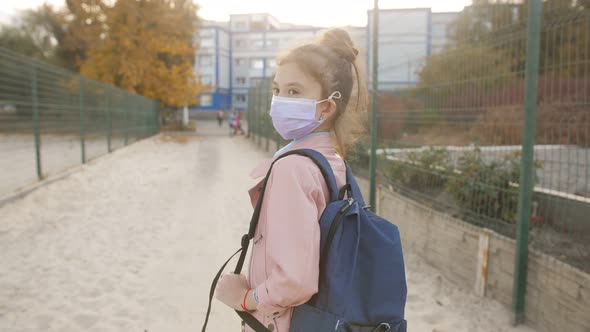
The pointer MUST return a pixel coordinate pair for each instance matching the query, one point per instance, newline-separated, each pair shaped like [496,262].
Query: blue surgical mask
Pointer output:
[294,118]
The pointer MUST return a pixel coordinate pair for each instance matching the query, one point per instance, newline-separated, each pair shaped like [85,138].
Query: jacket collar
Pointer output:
[322,143]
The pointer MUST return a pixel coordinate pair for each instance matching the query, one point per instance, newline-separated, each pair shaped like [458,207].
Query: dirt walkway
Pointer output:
[131,242]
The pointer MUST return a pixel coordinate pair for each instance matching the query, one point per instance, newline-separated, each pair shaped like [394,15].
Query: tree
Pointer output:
[460,75]
[37,34]
[15,39]
[85,23]
[146,46]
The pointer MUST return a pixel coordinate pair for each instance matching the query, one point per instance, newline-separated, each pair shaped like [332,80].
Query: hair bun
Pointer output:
[340,42]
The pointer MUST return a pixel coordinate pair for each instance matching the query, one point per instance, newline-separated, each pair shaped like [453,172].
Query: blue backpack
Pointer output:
[362,282]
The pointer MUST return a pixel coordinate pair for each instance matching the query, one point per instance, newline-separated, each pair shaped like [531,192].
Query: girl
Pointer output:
[312,87]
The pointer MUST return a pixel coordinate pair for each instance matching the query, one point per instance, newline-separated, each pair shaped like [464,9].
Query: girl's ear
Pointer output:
[331,107]
[328,110]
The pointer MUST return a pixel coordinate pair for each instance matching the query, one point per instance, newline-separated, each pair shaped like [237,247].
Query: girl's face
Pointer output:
[290,81]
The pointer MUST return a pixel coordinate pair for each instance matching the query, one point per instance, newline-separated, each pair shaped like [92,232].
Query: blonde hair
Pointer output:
[333,61]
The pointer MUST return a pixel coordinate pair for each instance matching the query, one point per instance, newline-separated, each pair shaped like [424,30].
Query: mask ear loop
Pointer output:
[334,95]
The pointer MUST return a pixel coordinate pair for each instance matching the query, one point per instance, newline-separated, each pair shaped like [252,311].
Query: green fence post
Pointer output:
[82,121]
[126,124]
[109,119]
[256,116]
[374,87]
[259,116]
[34,94]
[135,129]
[249,115]
[266,106]
[157,108]
[527,163]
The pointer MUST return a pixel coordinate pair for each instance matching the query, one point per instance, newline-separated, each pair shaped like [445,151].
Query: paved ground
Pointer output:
[132,241]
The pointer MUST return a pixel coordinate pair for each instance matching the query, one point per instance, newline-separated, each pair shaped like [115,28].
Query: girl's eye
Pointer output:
[275,91]
[293,92]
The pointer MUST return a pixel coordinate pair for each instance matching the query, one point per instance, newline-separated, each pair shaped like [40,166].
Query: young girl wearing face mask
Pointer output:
[319,98]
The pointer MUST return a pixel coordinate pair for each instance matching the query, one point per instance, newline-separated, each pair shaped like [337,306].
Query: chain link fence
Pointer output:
[52,119]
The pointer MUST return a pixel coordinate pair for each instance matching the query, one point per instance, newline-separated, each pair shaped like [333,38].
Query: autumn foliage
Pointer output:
[147,47]
[144,46]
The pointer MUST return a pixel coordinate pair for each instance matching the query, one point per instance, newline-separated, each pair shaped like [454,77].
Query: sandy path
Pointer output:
[131,242]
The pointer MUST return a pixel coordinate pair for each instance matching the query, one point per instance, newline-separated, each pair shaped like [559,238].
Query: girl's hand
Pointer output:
[231,289]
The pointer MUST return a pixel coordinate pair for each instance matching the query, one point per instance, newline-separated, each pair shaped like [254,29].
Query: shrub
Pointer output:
[424,170]
[487,188]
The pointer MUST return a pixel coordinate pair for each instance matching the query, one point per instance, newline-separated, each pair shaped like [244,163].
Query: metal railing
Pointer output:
[52,119]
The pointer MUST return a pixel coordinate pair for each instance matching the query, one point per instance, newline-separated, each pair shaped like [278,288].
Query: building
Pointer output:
[213,66]
[5,18]
[236,55]
[440,30]
[256,41]
[406,37]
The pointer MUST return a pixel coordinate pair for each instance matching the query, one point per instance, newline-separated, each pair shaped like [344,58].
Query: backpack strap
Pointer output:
[324,166]
[356,191]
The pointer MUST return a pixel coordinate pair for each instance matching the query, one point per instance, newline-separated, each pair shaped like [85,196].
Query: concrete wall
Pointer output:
[558,295]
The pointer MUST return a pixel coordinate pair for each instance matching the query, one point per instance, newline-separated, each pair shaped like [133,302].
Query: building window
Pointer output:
[257,64]
[257,25]
[241,62]
[254,81]
[272,43]
[206,42]
[206,33]
[240,25]
[206,100]
[205,79]
[271,63]
[240,98]
[205,60]
[241,80]
[240,43]
[258,43]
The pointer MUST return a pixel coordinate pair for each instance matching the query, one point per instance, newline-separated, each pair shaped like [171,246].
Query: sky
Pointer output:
[323,13]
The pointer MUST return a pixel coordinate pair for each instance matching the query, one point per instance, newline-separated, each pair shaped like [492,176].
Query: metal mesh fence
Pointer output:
[52,119]
[260,127]
[454,140]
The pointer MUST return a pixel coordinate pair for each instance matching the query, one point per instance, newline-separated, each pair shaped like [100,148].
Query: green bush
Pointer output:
[425,170]
[484,186]
[358,157]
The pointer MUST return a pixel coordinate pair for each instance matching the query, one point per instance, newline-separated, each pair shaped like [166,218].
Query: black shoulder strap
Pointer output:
[328,174]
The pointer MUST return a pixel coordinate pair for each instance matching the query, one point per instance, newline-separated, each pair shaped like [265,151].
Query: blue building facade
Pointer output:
[213,67]
[236,55]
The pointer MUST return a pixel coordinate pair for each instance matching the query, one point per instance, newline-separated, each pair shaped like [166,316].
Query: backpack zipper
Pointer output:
[335,224]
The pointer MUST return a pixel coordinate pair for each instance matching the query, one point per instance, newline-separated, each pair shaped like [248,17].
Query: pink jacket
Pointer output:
[284,264]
